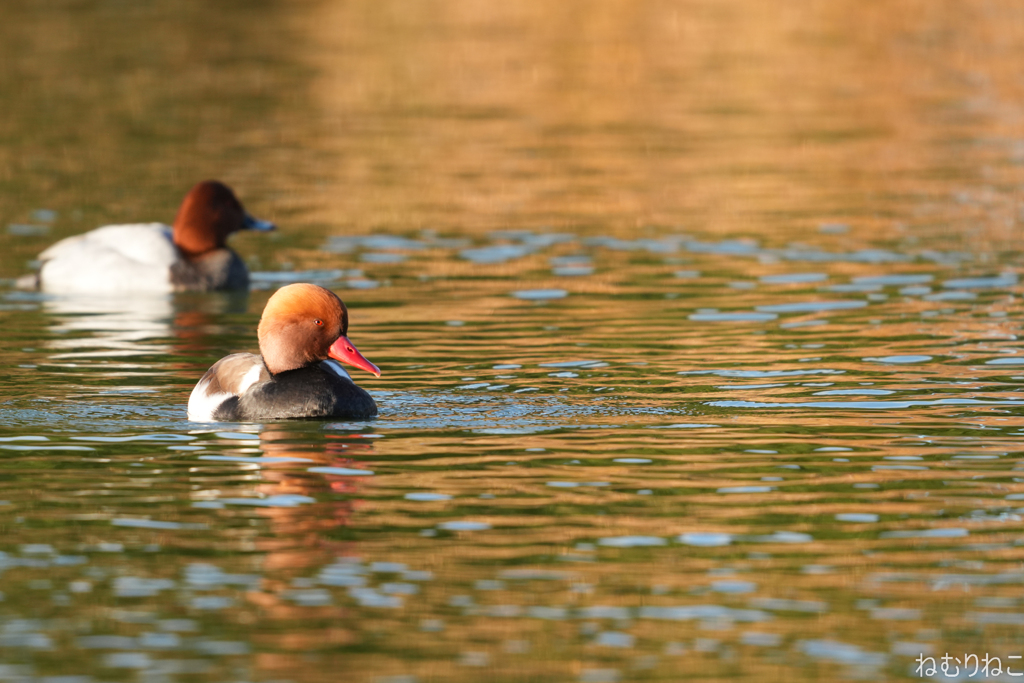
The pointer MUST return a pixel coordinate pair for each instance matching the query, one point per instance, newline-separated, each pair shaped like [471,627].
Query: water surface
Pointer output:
[698,325]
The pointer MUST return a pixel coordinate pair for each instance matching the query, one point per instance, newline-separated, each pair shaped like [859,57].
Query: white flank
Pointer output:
[202,405]
[113,259]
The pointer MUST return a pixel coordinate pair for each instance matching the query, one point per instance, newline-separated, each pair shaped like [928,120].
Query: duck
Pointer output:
[154,258]
[302,335]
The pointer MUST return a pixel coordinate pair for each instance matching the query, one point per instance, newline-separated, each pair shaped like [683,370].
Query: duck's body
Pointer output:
[239,388]
[154,258]
[301,333]
[142,257]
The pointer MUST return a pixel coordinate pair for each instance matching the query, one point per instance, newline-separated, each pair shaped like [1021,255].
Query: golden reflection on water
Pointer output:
[721,117]
[335,117]
[895,125]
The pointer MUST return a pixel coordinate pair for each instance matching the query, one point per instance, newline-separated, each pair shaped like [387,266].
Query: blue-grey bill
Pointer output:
[252,223]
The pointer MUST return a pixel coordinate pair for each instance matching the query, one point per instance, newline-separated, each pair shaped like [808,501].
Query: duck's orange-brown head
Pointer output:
[304,324]
[208,214]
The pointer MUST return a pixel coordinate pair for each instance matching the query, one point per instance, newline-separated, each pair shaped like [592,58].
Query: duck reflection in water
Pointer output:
[98,327]
[314,478]
[282,512]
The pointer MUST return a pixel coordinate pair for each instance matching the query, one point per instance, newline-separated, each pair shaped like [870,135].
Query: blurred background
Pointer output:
[698,322]
[350,117]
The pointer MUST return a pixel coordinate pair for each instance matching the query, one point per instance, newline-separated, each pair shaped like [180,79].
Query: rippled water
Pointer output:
[680,380]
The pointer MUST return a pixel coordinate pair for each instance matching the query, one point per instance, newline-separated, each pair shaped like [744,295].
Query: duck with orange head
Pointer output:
[303,333]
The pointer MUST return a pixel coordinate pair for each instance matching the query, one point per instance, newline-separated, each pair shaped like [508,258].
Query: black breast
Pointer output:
[306,392]
[220,269]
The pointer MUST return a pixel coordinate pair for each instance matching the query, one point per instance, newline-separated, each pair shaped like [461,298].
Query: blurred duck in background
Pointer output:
[154,258]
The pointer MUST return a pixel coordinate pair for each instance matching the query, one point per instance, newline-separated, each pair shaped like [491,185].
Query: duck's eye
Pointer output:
[318,322]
